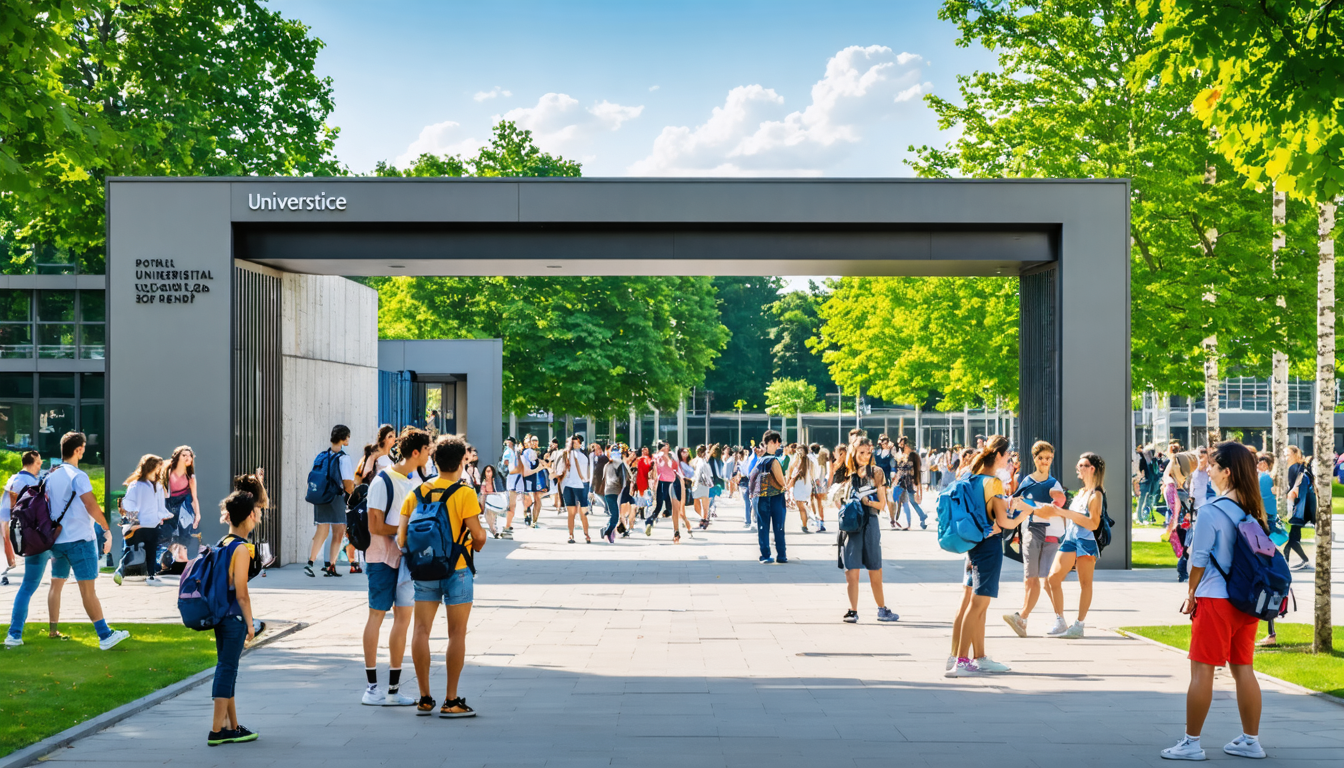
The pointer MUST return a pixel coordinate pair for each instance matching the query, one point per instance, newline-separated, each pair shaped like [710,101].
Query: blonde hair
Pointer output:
[995,445]
[1295,455]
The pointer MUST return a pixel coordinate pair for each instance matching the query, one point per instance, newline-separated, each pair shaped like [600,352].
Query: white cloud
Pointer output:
[558,122]
[491,94]
[439,139]
[750,135]
[653,88]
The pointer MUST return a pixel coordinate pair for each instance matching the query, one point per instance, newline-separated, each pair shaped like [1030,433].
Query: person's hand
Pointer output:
[196,521]
[107,545]
[251,633]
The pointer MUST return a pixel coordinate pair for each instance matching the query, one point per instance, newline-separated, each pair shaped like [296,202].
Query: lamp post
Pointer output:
[739,405]
[709,398]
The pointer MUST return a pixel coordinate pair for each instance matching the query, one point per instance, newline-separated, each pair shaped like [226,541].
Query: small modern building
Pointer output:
[448,386]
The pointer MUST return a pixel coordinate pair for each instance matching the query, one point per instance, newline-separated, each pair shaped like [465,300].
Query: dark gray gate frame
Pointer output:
[1067,239]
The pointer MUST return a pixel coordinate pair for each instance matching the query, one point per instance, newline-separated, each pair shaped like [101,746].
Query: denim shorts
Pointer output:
[575,497]
[863,549]
[985,561]
[454,590]
[384,591]
[78,556]
[1080,547]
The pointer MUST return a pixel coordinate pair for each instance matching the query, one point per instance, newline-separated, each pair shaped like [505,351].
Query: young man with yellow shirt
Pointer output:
[455,592]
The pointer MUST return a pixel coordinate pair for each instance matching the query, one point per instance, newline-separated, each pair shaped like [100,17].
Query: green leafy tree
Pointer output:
[795,320]
[786,397]
[511,152]
[740,373]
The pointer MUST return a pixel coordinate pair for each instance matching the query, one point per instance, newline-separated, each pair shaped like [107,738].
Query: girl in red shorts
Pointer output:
[1221,634]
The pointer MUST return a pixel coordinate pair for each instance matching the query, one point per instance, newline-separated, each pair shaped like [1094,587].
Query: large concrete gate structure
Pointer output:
[206,279]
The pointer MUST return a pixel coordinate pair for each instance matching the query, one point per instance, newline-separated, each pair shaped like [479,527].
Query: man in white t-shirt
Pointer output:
[390,585]
[70,498]
[575,472]
[330,517]
[24,478]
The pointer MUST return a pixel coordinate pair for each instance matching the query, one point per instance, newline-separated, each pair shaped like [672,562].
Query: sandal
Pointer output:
[57,636]
[425,706]
[571,540]
[588,538]
[676,537]
[459,703]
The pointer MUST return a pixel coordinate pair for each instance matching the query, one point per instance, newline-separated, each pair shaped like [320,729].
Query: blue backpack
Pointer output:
[1258,578]
[203,594]
[324,479]
[431,551]
[962,519]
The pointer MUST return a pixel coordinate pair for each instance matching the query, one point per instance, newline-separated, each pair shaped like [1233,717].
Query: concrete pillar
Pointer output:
[919,430]
[681,420]
[635,424]
[657,429]
[968,440]
[513,426]
[589,428]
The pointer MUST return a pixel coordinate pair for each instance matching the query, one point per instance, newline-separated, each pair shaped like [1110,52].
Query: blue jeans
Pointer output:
[770,515]
[905,500]
[229,637]
[34,566]
[1147,500]
[612,500]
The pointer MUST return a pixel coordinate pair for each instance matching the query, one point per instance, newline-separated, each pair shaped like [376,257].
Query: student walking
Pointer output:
[31,463]
[1041,541]
[1180,508]
[390,587]
[237,629]
[70,499]
[574,471]
[821,461]
[180,529]
[1264,464]
[615,480]
[769,500]
[456,592]
[1079,548]
[798,480]
[984,564]
[863,549]
[906,491]
[1302,498]
[338,470]
[144,509]
[702,484]
[1220,634]
[666,475]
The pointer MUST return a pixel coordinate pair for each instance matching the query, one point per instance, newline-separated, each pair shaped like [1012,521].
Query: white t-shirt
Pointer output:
[577,462]
[16,484]
[147,500]
[383,462]
[347,466]
[76,525]
[383,549]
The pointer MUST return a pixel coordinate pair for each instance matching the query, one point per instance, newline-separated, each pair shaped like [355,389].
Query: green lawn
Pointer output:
[1152,554]
[52,685]
[1290,660]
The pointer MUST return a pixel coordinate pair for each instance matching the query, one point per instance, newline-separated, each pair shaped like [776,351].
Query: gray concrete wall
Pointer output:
[330,374]
[481,361]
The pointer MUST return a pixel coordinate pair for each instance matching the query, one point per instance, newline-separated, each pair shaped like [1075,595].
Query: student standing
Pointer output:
[25,477]
[885,458]
[1220,634]
[769,501]
[1180,509]
[70,499]
[984,564]
[390,587]
[702,483]
[821,461]
[330,517]
[615,481]
[1079,548]
[184,507]
[574,471]
[1041,541]
[1264,463]
[513,482]
[1302,498]
[237,629]
[145,509]
[863,549]
[906,490]
[455,592]
[798,480]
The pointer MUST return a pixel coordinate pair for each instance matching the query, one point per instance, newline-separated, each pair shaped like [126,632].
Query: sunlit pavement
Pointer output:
[646,653]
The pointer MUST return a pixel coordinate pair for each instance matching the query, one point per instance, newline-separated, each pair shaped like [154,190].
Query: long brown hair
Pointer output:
[852,469]
[1243,477]
[147,470]
[175,458]
[994,446]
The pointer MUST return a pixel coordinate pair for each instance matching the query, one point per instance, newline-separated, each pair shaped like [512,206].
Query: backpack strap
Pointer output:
[1235,522]
[57,521]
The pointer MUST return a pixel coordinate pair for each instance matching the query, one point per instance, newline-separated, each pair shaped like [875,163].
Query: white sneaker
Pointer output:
[1058,628]
[951,662]
[372,697]
[1185,749]
[154,581]
[1074,632]
[986,664]
[1241,747]
[966,669]
[112,639]
[12,641]
[1016,621]
[399,700]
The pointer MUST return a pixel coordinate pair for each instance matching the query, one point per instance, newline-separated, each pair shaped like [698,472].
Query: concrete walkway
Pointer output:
[652,654]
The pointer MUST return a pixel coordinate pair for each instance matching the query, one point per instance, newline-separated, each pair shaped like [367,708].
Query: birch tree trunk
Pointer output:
[1324,443]
[1212,426]
[1278,382]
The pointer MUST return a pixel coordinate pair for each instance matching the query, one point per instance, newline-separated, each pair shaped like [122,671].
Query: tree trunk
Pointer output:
[1278,382]
[1213,429]
[1324,444]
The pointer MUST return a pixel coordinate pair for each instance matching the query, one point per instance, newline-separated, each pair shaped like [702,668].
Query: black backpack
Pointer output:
[357,514]
[1103,532]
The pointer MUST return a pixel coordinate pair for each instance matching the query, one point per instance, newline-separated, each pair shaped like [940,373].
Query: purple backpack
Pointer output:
[31,529]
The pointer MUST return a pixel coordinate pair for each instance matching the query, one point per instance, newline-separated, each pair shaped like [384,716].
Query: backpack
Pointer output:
[357,514]
[1102,534]
[758,475]
[203,595]
[1258,579]
[31,529]
[323,488]
[963,520]
[431,551]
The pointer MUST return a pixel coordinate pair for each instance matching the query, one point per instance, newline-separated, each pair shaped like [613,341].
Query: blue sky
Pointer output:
[641,88]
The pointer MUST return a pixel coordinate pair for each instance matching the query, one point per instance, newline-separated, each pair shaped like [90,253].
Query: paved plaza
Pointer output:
[693,655]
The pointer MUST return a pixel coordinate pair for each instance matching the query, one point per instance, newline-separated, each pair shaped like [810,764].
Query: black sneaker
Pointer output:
[308,569]
[242,734]
[851,617]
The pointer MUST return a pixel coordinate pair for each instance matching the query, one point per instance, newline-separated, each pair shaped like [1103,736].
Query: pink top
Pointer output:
[178,484]
[667,468]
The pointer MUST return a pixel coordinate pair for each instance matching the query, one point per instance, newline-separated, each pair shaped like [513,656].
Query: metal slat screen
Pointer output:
[256,390]
[1039,347]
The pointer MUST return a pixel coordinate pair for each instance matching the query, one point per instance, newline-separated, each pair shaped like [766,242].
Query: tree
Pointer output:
[184,87]
[511,152]
[739,373]
[795,320]
[1273,72]
[784,397]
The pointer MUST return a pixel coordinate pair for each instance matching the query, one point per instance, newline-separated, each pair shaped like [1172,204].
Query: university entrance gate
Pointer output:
[231,330]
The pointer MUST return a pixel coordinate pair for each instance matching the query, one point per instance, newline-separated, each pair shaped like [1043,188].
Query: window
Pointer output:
[61,325]
[16,329]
